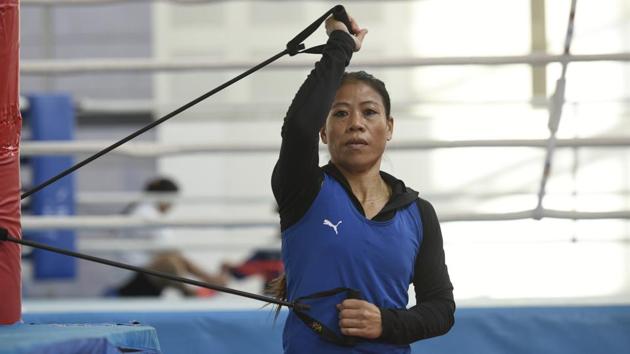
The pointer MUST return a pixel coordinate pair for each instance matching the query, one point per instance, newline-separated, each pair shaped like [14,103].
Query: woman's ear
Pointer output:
[322,135]
[390,128]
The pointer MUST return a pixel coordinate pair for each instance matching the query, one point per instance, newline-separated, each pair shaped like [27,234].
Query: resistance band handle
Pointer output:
[352,294]
[339,13]
[319,328]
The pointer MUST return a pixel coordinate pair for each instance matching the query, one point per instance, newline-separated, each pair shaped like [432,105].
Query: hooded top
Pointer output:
[381,256]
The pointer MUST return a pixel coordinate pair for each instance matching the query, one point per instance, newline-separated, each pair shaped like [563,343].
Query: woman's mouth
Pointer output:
[356,143]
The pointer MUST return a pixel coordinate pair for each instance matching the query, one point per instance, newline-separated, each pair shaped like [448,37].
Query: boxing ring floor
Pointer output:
[241,326]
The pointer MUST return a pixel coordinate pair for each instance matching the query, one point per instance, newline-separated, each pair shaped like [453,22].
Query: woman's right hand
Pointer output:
[334,25]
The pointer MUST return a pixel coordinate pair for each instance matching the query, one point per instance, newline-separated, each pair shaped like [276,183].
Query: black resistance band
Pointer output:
[4,236]
[293,47]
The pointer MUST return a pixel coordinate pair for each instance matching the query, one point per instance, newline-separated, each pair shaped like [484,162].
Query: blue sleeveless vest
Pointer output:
[332,246]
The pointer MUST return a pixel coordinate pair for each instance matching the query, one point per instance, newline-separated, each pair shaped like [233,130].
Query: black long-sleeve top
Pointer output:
[297,178]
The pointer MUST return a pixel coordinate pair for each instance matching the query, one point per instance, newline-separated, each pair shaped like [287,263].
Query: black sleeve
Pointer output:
[434,312]
[296,178]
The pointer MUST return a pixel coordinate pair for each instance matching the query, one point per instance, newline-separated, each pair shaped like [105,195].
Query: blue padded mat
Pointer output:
[77,338]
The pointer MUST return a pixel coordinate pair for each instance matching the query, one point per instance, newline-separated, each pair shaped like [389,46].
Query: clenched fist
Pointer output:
[360,318]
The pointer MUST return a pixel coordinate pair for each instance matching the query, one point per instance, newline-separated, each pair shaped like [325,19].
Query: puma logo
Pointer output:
[333,226]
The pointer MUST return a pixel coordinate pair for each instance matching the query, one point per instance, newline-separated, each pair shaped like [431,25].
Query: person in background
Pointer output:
[170,261]
[348,224]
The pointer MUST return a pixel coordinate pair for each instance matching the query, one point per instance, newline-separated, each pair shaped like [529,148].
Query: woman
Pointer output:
[348,224]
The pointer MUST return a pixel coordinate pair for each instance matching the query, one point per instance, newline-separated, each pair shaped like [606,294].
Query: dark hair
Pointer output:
[373,82]
[278,289]
[155,185]
[161,184]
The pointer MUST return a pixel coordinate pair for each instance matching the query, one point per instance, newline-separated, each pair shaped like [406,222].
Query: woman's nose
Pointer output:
[356,122]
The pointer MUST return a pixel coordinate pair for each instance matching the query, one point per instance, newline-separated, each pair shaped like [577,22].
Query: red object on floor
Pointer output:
[205,292]
[10,128]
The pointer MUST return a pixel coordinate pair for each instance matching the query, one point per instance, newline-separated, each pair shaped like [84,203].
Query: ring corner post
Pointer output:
[10,130]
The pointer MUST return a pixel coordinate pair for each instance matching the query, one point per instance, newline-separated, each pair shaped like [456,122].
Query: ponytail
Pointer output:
[278,289]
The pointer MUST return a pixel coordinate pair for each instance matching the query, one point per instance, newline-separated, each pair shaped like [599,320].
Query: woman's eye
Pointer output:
[340,114]
[370,112]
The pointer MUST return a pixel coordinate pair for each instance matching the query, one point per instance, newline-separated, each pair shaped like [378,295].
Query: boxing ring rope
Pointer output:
[105,2]
[131,197]
[91,66]
[156,149]
[125,222]
[125,198]
[148,106]
[105,245]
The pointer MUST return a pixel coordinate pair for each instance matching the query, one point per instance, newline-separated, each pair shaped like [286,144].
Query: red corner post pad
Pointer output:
[10,127]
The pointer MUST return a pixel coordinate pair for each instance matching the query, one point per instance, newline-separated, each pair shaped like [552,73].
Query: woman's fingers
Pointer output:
[360,318]
[355,26]
[333,25]
[358,39]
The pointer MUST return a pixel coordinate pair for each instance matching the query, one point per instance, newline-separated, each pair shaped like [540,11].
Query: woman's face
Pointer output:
[357,128]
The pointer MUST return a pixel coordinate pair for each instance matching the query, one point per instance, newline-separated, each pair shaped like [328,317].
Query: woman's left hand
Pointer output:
[360,318]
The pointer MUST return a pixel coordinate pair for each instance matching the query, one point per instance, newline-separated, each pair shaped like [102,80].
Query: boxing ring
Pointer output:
[227,324]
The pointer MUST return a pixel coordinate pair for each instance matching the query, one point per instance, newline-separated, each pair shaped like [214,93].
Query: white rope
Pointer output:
[140,149]
[125,222]
[89,66]
[148,106]
[70,2]
[105,2]
[125,198]
[30,222]
[535,214]
[97,245]
[156,149]
[101,245]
